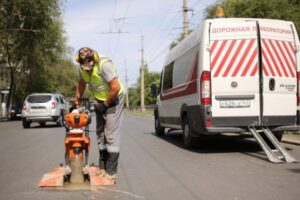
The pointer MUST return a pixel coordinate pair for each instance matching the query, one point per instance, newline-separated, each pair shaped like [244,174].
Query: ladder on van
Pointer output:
[275,152]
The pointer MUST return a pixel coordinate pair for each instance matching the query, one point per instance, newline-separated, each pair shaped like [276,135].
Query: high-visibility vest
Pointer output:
[99,87]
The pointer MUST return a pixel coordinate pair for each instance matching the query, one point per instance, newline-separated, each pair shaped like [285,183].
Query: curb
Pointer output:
[289,141]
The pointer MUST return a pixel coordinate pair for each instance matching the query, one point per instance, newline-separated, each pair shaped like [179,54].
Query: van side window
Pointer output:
[183,66]
[168,76]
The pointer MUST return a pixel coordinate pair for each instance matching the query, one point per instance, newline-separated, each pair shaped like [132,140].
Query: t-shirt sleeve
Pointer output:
[108,71]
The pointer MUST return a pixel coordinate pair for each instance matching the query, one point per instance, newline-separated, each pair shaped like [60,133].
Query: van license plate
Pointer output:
[235,104]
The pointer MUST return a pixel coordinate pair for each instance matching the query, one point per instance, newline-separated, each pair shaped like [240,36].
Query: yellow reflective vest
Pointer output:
[99,87]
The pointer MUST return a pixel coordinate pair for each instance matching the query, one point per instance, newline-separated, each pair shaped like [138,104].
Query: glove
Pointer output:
[100,107]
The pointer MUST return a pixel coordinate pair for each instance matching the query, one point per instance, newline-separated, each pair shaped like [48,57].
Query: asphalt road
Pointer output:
[227,167]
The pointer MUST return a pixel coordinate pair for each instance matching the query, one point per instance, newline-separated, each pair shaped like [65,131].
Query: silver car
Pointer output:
[42,108]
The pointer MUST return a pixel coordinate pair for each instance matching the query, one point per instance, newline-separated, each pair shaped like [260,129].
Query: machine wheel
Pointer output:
[188,140]
[26,124]
[159,131]
[60,121]
[76,165]
[42,124]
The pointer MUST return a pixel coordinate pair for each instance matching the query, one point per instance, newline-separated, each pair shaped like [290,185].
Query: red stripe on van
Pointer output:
[218,53]
[213,46]
[264,58]
[268,51]
[287,63]
[234,57]
[190,87]
[254,71]
[291,53]
[265,70]
[251,60]
[225,58]
[282,66]
[245,54]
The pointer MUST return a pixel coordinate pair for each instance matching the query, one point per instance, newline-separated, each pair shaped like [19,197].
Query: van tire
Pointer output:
[188,140]
[278,135]
[25,124]
[159,130]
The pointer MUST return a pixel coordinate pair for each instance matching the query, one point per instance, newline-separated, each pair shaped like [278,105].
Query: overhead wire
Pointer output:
[162,21]
[117,43]
[110,26]
[154,54]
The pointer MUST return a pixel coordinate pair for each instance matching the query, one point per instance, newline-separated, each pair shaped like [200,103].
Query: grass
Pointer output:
[136,112]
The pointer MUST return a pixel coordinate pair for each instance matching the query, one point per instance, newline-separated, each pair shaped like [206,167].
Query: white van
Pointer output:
[231,75]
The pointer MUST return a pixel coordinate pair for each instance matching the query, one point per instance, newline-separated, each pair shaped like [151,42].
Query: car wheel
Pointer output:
[60,121]
[26,124]
[42,124]
[159,131]
[188,140]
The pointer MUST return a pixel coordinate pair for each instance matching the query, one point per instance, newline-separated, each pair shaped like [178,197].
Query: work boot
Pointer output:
[112,163]
[103,156]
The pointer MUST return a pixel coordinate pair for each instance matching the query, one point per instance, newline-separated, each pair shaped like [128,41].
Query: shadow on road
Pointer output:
[219,144]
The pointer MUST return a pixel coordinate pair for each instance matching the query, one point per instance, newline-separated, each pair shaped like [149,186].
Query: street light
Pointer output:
[142,68]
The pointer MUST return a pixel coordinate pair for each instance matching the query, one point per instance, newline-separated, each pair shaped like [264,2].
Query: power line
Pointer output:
[165,35]
[127,18]
[163,20]
[113,16]
[117,44]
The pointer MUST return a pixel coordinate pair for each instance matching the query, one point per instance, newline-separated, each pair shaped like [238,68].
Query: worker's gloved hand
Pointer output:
[100,106]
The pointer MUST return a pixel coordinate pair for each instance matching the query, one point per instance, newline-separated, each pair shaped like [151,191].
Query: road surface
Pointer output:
[227,167]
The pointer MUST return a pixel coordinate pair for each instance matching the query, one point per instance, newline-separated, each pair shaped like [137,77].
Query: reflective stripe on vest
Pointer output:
[99,87]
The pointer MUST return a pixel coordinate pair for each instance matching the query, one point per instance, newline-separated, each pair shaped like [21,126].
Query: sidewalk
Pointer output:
[291,138]
[2,119]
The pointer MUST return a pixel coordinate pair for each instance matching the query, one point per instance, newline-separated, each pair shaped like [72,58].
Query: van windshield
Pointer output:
[39,98]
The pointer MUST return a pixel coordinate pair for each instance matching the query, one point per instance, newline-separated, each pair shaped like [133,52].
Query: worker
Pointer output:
[99,73]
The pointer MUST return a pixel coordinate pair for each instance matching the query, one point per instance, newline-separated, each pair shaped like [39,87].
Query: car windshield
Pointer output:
[39,98]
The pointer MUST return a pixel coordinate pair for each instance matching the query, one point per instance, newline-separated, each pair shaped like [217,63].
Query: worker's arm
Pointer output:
[80,89]
[113,92]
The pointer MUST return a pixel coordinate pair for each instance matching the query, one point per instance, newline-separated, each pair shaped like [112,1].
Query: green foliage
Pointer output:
[33,48]
[274,9]
[178,39]
[135,92]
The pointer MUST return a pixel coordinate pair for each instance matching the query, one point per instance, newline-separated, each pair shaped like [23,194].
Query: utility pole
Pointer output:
[142,77]
[126,86]
[185,19]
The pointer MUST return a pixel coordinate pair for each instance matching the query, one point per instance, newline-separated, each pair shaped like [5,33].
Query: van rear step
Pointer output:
[275,152]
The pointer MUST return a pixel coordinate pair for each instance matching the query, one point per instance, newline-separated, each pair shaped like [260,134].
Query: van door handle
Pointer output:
[272,84]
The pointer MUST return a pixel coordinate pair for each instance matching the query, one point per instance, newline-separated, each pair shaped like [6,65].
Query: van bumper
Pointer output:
[198,113]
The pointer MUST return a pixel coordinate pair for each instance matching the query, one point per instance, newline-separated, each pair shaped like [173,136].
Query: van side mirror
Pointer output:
[153,90]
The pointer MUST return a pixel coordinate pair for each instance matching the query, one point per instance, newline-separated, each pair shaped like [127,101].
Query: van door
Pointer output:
[279,76]
[234,65]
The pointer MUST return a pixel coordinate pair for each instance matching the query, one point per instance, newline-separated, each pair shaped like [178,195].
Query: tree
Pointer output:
[135,91]
[33,48]
[274,9]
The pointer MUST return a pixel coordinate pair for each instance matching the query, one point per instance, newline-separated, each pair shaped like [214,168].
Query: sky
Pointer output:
[114,28]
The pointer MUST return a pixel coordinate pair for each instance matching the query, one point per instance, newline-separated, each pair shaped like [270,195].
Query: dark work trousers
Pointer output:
[108,134]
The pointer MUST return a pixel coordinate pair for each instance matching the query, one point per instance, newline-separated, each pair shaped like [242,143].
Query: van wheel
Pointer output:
[159,131]
[188,140]
[278,135]
[26,124]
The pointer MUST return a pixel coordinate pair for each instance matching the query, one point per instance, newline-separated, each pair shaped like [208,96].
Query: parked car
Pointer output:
[42,108]
[15,111]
